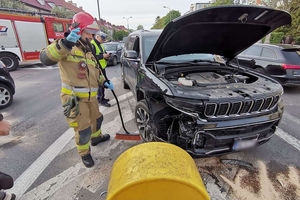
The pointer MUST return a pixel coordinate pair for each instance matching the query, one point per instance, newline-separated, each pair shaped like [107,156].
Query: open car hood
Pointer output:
[221,30]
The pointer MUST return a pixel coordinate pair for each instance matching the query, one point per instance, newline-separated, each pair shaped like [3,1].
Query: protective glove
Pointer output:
[109,84]
[73,36]
[71,104]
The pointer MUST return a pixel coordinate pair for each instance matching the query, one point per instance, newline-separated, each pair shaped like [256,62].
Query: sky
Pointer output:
[142,12]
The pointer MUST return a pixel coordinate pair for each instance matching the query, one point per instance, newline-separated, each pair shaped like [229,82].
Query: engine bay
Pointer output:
[209,78]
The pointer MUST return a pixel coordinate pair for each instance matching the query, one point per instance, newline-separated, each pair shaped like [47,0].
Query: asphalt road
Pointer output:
[40,153]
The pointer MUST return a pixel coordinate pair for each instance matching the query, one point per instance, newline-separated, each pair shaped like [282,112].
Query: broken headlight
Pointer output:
[189,106]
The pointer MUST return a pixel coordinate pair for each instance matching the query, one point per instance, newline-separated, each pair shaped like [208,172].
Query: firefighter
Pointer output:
[80,79]
[102,56]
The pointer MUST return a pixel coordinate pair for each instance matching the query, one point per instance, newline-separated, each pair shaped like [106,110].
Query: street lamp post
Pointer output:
[169,11]
[98,10]
[127,18]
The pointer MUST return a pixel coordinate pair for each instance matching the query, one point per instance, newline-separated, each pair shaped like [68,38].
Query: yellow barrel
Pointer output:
[155,171]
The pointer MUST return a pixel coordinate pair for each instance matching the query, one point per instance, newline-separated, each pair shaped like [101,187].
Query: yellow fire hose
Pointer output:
[155,171]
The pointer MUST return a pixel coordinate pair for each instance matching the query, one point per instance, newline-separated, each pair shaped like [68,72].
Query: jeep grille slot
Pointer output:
[210,109]
[223,109]
[267,103]
[235,108]
[239,108]
[257,105]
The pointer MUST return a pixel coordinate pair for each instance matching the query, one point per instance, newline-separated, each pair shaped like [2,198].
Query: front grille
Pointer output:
[240,107]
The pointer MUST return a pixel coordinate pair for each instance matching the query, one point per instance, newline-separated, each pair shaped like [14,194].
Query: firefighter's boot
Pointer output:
[87,160]
[99,139]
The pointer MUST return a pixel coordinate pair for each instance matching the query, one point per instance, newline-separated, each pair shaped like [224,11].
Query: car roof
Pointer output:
[152,32]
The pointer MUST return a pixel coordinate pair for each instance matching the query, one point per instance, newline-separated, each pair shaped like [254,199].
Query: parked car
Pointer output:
[281,62]
[115,49]
[7,87]
[188,96]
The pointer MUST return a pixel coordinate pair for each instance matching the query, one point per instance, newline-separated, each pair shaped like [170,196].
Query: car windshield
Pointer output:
[149,42]
[110,47]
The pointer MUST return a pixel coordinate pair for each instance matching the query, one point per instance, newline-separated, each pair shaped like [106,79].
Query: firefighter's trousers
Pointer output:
[87,124]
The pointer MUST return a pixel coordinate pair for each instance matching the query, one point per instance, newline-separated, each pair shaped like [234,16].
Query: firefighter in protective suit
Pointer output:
[80,79]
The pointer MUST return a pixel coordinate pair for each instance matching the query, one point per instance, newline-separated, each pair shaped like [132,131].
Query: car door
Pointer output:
[134,63]
[126,61]
[119,51]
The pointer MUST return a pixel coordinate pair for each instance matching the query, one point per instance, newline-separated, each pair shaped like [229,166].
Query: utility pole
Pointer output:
[98,5]
[127,18]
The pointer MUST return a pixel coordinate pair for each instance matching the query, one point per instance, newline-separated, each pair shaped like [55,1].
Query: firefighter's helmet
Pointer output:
[84,21]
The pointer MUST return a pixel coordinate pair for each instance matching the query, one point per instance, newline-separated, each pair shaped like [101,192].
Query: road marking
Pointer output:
[74,173]
[28,177]
[288,138]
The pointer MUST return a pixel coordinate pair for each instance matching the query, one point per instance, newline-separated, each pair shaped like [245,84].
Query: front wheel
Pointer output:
[6,96]
[142,118]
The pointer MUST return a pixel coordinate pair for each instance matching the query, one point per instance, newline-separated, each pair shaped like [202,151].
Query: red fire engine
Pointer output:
[23,37]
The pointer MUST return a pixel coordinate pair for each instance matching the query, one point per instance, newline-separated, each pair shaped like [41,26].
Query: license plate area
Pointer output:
[239,145]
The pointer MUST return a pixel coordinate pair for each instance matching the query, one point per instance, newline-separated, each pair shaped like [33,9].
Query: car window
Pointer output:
[110,47]
[136,46]
[292,57]
[130,43]
[58,27]
[253,51]
[148,44]
[268,53]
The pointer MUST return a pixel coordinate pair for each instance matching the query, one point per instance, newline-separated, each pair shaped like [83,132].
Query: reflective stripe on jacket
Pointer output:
[102,62]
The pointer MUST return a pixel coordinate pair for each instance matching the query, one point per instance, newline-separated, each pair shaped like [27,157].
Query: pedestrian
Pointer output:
[6,181]
[102,56]
[80,80]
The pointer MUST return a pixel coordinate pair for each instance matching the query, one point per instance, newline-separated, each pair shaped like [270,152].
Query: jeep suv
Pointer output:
[187,91]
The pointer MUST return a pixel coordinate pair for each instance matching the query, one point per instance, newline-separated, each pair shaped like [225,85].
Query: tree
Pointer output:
[118,35]
[63,12]
[140,27]
[12,4]
[222,2]
[160,23]
[292,7]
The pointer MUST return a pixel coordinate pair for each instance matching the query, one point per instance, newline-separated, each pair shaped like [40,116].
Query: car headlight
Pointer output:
[188,106]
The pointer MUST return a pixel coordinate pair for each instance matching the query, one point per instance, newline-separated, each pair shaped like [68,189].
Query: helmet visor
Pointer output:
[92,28]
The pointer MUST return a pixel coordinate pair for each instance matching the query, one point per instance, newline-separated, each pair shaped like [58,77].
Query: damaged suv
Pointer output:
[188,91]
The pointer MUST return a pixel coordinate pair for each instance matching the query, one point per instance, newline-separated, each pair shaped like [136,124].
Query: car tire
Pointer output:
[11,62]
[6,96]
[115,61]
[142,116]
[125,85]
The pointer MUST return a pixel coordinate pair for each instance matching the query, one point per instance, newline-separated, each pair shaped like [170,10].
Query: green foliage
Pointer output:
[263,40]
[292,7]
[140,27]
[161,23]
[222,2]
[62,12]
[12,4]
[119,35]
[276,37]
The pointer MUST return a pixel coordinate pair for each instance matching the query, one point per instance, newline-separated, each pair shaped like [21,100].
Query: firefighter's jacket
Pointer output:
[77,66]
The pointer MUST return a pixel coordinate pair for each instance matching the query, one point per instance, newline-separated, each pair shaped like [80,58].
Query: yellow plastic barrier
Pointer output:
[155,171]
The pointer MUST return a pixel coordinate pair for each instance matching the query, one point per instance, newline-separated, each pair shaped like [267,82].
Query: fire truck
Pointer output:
[22,37]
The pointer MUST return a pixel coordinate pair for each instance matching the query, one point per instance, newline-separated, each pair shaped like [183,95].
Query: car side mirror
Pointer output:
[131,54]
